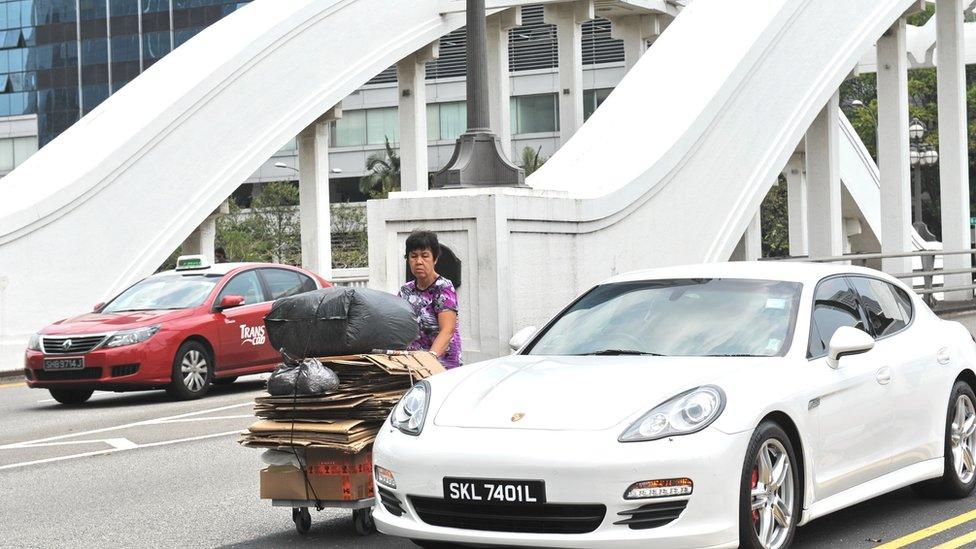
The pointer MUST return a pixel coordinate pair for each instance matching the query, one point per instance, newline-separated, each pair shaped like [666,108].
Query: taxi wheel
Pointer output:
[71,397]
[192,372]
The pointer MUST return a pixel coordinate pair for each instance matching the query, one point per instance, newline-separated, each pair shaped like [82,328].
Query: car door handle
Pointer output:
[884,376]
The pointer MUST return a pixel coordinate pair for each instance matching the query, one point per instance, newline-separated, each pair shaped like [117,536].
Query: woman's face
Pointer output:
[421,263]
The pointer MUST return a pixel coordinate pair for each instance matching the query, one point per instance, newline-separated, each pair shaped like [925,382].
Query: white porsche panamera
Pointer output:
[708,406]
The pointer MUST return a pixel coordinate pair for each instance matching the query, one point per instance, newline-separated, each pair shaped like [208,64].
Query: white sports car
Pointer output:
[688,407]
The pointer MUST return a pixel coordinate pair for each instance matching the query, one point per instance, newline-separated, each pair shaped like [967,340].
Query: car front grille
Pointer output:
[68,375]
[652,515]
[124,370]
[545,518]
[65,345]
[391,502]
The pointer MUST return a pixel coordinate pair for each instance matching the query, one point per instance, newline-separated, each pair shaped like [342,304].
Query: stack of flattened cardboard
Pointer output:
[348,418]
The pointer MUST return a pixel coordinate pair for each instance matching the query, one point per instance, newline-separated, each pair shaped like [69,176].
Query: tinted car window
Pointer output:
[282,283]
[164,292]
[307,284]
[834,305]
[677,317]
[245,284]
[879,301]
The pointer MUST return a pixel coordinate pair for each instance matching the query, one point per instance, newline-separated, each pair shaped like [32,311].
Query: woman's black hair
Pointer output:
[423,240]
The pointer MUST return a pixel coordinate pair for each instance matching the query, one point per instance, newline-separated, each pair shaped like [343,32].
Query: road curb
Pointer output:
[17,374]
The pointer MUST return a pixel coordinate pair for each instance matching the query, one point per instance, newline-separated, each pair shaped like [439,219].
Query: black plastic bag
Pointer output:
[340,321]
[306,377]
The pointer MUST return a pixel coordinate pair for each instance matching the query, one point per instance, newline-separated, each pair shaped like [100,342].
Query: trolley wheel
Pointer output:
[302,519]
[363,520]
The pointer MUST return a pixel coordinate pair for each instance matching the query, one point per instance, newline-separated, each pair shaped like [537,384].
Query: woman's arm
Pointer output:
[446,320]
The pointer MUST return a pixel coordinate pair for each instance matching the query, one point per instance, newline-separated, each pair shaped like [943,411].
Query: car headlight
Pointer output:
[131,337]
[35,343]
[409,414]
[684,414]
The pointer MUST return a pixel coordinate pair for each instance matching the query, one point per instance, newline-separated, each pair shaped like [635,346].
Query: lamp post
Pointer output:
[478,160]
[919,155]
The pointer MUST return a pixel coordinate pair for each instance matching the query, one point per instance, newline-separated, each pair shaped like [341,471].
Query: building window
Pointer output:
[446,121]
[535,113]
[382,124]
[593,99]
[366,127]
[14,151]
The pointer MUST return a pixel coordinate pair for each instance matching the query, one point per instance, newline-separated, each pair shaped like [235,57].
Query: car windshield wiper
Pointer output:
[610,352]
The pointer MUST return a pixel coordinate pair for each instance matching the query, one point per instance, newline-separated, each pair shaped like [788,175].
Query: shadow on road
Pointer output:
[332,532]
[139,398]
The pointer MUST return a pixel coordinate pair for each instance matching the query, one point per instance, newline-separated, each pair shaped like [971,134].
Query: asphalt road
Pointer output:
[137,470]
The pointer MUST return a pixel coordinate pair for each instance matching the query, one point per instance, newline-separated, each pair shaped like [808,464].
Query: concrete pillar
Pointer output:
[637,32]
[896,213]
[796,205]
[953,144]
[499,94]
[412,113]
[202,240]
[313,189]
[825,226]
[569,18]
[752,239]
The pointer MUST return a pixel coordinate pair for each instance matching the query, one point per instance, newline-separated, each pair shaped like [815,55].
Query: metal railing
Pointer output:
[923,280]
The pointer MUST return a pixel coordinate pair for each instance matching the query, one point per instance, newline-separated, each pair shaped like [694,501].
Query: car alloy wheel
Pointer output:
[962,439]
[194,369]
[772,495]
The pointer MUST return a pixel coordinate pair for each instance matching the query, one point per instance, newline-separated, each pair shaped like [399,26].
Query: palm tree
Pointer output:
[383,175]
[531,161]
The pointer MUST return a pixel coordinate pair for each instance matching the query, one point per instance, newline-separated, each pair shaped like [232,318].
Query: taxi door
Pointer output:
[243,338]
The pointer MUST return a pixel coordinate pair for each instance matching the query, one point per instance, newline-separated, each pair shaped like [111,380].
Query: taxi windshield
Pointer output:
[677,317]
[164,292]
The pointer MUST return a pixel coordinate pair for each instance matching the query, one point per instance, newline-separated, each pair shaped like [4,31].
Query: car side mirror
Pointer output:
[521,337]
[98,307]
[230,301]
[847,341]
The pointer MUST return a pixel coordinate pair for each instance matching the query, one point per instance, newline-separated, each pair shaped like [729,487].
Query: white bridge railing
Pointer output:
[357,277]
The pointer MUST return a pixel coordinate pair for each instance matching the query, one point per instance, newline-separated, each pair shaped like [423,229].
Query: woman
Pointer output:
[433,299]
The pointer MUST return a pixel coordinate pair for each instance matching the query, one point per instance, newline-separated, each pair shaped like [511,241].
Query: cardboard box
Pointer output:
[332,476]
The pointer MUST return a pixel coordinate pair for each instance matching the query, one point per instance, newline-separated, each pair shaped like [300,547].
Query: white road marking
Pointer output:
[113,450]
[117,443]
[126,425]
[208,418]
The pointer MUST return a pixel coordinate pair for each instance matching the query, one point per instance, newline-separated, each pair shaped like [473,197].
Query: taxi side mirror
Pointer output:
[521,337]
[230,301]
[98,307]
[847,341]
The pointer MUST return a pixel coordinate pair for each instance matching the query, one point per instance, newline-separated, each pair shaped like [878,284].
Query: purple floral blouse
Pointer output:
[427,304]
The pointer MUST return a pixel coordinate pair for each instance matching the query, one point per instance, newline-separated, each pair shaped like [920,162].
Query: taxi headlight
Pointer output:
[131,337]
[409,414]
[684,414]
[35,343]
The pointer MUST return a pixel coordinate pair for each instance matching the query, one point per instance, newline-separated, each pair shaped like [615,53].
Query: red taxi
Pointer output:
[178,330]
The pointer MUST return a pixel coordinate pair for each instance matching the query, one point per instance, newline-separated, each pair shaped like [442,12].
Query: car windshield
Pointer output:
[164,292]
[678,317]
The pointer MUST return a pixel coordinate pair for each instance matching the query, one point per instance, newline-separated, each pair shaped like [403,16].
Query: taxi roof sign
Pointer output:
[190,262]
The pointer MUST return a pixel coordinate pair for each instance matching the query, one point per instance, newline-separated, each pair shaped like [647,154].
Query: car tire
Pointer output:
[71,397]
[768,526]
[959,477]
[224,380]
[192,372]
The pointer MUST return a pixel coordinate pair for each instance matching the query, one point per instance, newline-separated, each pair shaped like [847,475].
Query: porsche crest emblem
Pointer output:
[517,416]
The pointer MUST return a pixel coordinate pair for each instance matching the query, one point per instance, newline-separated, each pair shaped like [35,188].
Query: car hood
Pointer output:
[582,393]
[94,323]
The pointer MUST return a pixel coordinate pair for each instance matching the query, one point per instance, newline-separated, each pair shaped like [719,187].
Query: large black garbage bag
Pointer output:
[340,321]
[305,377]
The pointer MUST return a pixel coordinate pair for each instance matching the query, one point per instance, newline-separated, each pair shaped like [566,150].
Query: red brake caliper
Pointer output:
[755,483]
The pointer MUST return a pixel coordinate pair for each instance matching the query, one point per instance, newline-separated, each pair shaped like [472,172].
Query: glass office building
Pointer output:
[60,58]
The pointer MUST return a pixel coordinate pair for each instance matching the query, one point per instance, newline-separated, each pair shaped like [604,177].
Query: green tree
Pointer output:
[349,244]
[530,160]
[774,220]
[383,173]
[269,231]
